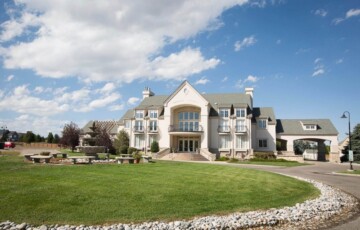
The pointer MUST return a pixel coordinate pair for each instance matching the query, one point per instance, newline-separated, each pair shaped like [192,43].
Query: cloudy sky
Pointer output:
[65,60]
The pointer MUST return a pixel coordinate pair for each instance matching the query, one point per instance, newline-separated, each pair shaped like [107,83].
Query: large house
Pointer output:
[216,125]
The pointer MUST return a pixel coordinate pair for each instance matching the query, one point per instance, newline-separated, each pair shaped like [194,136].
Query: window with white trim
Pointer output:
[224,113]
[224,142]
[152,138]
[262,123]
[139,114]
[153,126]
[139,126]
[310,127]
[224,126]
[263,143]
[127,124]
[241,142]
[240,112]
[240,126]
[153,114]
[139,141]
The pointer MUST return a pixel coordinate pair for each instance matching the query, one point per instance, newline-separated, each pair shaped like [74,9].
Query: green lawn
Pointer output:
[275,162]
[356,172]
[98,194]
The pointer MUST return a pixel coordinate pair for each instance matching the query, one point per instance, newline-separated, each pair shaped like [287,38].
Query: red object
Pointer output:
[9,144]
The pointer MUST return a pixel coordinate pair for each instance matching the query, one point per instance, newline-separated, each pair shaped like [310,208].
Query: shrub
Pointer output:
[264,155]
[223,159]
[131,150]
[154,147]
[136,155]
[123,150]
[233,160]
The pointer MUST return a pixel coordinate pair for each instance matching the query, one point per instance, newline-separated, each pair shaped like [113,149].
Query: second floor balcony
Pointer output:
[138,129]
[185,128]
[224,129]
[240,128]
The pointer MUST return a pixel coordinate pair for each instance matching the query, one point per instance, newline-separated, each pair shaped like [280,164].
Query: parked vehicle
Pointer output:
[9,144]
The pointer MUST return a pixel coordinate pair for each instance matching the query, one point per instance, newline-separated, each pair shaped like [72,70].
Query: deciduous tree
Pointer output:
[70,135]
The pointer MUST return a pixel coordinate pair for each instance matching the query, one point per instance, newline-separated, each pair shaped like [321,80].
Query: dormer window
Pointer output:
[310,127]
[139,114]
[224,113]
[262,123]
[153,114]
[240,113]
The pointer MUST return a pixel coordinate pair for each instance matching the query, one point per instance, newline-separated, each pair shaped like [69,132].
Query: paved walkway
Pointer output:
[323,172]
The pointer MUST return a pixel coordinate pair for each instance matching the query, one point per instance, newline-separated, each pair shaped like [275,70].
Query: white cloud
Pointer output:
[202,81]
[318,72]
[9,78]
[224,79]
[84,40]
[22,102]
[349,14]
[179,65]
[319,68]
[339,61]
[98,103]
[250,79]
[321,12]
[352,13]
[133,100]
[317,60]
[108,88]
[38,124]
[246,42]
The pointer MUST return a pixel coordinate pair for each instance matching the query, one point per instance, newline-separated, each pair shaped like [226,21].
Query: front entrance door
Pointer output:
[188,144]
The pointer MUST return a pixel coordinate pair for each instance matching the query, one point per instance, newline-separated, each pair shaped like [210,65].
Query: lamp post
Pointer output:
[344,116]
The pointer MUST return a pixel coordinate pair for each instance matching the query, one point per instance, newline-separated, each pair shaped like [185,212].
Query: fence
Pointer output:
[38,145]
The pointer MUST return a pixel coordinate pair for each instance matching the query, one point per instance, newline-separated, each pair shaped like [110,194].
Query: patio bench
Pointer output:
[87,159]
[28,156]
[120,160]
[38,158]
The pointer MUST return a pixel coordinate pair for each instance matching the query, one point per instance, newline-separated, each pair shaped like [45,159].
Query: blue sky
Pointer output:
[64,60]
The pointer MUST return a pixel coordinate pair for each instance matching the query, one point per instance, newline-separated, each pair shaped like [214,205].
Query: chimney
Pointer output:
[250,91]
[147,93]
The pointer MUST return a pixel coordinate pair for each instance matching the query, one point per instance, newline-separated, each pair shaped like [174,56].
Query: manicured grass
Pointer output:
[98,194]
[273,162]
[356,172]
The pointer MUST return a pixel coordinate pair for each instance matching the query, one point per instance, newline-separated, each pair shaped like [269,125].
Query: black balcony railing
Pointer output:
[183,128]
[223,129]
[152,129]
[138,129]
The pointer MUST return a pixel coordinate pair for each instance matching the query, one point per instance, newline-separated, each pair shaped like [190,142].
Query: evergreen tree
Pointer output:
[29,137]
[154,147]
[56,139]
[121,143]
[355,139]
[50,138]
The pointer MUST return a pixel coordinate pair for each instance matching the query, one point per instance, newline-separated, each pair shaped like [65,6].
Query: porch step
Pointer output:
[184,157]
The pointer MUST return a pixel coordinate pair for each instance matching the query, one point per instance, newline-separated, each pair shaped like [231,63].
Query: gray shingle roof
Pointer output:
[264,112]
[128,115]
[227,99]
[295,127]
[156,101]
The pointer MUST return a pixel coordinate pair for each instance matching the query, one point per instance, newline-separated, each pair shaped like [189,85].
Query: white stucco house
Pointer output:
[214,125]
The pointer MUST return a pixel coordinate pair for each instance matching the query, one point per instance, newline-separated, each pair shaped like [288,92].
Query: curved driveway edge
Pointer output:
[323,172]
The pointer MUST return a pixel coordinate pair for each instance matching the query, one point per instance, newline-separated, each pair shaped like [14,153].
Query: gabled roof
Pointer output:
[295,127]
[128,115]
[226,100]
[110,126]
[153,102]
[264,112]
